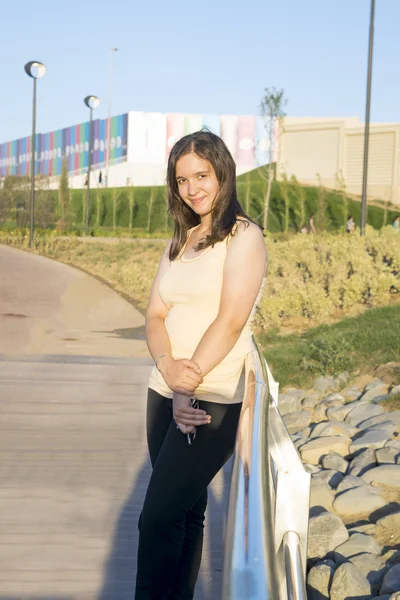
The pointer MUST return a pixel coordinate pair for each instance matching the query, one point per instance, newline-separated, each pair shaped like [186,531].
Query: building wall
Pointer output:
[322,149]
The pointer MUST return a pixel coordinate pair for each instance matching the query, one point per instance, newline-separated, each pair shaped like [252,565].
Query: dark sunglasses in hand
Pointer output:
[194,403]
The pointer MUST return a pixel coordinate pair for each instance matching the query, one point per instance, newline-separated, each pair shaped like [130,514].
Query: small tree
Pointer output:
[98,197]
[321,216]
[285,191]
[272,108]
[150,209]
[248,189]
[131,196]
[115,195]
[341,187]
[300,194]
[63,192]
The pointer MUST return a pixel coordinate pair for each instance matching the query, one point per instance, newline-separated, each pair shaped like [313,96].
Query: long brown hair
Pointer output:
[226,207]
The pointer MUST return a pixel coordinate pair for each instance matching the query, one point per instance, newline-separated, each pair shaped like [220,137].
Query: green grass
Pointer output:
[373,338]
[251,188]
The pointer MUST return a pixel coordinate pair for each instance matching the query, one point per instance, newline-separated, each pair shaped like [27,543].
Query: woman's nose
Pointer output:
[193,188]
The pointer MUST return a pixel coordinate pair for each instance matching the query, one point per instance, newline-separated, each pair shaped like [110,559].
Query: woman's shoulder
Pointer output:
[246,229]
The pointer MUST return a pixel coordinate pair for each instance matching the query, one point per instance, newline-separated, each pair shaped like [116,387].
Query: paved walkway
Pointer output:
[73,457]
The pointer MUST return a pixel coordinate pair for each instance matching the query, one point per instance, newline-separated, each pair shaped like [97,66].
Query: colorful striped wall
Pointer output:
[139,137]
[70,144]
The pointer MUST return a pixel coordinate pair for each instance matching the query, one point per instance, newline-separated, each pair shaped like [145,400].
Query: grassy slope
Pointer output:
[373,339]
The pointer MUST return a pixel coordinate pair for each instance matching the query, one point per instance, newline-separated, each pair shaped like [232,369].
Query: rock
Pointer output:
[329,476]
[388,528]
[296,421]
[342,379]
[333,397]
[358,543]
[380,399]
[370,395]
[374,384]
[325,532]
[299,441]
[372,566]
[325,384]
[391,580]
[393,444]
[319,413]
[321,496]
[394,391]
[393,416]
[371,438]
[362,462]
[362,413]
[368,528]
[333,428]
[332,403]
[357,503]
[310,400]
[306,432]
[314,449]
[387,455]
[391,557]
[290,401]
[349,483]
[339,413]
[385,475]
[335,461]
[348,582]
[388,372]
[351,393]
[311,468]
[319,580]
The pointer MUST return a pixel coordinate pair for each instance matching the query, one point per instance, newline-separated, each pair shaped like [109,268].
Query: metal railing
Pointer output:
[266,533]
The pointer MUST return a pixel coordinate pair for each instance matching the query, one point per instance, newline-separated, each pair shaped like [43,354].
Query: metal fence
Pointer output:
[266,534]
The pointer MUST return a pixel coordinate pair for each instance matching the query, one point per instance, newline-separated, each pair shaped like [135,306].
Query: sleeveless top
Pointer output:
[191,289]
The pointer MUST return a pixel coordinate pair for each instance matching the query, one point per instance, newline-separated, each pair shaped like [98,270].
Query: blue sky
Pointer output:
[201,57]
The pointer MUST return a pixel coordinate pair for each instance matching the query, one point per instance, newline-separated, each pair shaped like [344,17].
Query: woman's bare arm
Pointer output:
[182,376]
[245,267]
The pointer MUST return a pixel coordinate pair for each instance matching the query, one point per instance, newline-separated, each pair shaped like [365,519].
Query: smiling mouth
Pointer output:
[196,200]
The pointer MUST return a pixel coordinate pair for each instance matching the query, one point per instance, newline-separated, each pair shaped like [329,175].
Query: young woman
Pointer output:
[198,325]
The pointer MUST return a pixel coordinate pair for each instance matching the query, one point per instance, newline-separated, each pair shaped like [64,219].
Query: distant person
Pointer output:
[350,225]
[100,178]
[311,226]
[396,223]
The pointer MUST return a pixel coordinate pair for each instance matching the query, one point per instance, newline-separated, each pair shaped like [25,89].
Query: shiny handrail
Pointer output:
[265,549]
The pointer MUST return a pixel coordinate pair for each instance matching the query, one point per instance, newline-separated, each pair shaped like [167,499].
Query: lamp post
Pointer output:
[91,102]
[367,117]
[113,49]
[34,69]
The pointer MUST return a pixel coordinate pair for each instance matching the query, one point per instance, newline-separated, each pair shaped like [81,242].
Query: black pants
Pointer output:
[171,522]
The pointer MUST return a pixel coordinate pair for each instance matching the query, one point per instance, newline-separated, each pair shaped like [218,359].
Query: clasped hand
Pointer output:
[183,377]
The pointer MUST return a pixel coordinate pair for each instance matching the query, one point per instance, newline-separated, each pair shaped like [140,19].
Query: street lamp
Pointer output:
[113,49]
[367,117]
[34,69]
[91,102]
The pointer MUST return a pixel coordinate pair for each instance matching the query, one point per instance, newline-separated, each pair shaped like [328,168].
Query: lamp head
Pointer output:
[92,101]
[35,69]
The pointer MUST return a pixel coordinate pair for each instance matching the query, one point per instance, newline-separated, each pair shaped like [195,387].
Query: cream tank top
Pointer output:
[191,289]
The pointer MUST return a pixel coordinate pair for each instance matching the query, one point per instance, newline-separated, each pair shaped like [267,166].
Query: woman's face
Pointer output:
[197,183]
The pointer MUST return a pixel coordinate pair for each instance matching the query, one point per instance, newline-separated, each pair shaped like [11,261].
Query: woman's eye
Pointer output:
[180,181]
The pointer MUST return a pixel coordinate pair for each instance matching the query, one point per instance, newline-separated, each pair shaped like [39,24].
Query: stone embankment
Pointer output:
[349,440]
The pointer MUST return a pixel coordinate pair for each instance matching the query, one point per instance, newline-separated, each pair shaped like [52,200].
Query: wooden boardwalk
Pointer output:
[73,458]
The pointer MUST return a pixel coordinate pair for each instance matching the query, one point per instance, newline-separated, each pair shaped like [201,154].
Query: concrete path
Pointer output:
[73,458]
